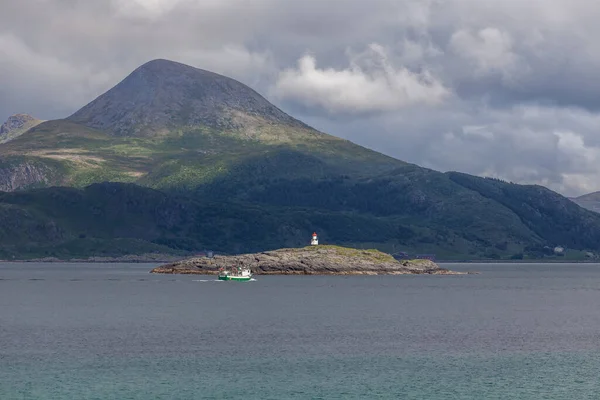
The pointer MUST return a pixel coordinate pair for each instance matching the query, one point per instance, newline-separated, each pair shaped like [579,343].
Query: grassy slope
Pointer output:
[373,255]
[185,158]
[278,181]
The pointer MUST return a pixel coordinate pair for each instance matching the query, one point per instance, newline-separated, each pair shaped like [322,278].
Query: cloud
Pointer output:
[143,8]
[254,68]
[376,86]
[29,82]
[489,49]
[545,145]
[51,67]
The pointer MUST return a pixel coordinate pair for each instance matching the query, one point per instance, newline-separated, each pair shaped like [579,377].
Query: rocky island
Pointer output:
[311,260]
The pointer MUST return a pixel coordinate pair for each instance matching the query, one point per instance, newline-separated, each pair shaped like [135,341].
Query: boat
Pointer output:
[236,274]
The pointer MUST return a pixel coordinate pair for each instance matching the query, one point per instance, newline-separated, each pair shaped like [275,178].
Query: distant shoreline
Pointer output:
[530,261]
[102,260]
[164,258]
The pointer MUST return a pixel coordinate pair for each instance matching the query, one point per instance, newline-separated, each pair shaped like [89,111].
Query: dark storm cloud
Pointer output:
[501,88]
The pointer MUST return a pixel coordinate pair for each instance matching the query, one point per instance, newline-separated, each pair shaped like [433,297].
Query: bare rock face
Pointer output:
[162,95]
[313,260]
[16,125]
[23,175]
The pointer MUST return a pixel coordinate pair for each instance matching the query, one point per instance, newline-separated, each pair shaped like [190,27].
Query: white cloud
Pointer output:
[524,145]
[234,61]
[41,91]
[574,151]
[57,80]
[477,131]
[378,87]
[413,52]
[143,8]
[489,49]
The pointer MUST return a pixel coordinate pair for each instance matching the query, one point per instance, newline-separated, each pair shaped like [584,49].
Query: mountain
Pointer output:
[484,219]
[198,160]
[591,201]
[163,95]
[16,125]
[168,125]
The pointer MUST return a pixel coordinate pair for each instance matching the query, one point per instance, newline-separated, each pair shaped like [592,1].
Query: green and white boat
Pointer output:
[236,274]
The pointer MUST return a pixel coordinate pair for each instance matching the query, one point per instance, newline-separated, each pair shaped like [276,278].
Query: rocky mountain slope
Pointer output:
[162,95]
[215,165]
[16,125]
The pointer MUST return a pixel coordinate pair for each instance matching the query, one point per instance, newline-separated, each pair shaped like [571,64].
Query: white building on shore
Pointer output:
[315,239]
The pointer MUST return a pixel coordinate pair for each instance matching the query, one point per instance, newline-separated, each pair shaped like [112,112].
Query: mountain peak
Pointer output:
[162,64]
[160,69]
[16,125]
[161,95]
[591,201]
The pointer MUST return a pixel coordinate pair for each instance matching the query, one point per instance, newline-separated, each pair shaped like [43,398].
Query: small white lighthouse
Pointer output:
[315,240]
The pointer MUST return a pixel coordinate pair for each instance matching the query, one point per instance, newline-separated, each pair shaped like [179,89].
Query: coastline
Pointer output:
[311,260]
[133,259]
[530,261]
[166,258]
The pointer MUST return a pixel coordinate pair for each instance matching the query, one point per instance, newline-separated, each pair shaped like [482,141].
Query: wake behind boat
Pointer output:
[236,274]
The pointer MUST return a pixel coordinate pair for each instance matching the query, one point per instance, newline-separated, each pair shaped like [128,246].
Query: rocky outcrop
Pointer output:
[23,175]
[16,125]
[313,260]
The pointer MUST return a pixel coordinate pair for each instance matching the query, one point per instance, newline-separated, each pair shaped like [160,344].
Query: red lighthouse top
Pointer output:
[315,234]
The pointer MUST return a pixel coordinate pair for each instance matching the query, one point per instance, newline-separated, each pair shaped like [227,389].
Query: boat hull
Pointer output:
[234,278]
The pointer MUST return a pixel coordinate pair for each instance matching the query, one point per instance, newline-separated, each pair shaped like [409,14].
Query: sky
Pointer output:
[501,88]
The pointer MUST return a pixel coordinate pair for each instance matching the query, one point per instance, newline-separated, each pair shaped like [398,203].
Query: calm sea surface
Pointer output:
[114,331]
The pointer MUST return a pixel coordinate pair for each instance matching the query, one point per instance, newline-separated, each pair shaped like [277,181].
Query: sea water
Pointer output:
[114,331]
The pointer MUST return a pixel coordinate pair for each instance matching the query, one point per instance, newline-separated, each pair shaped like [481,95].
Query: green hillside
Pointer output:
[199,161]
[117,219]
